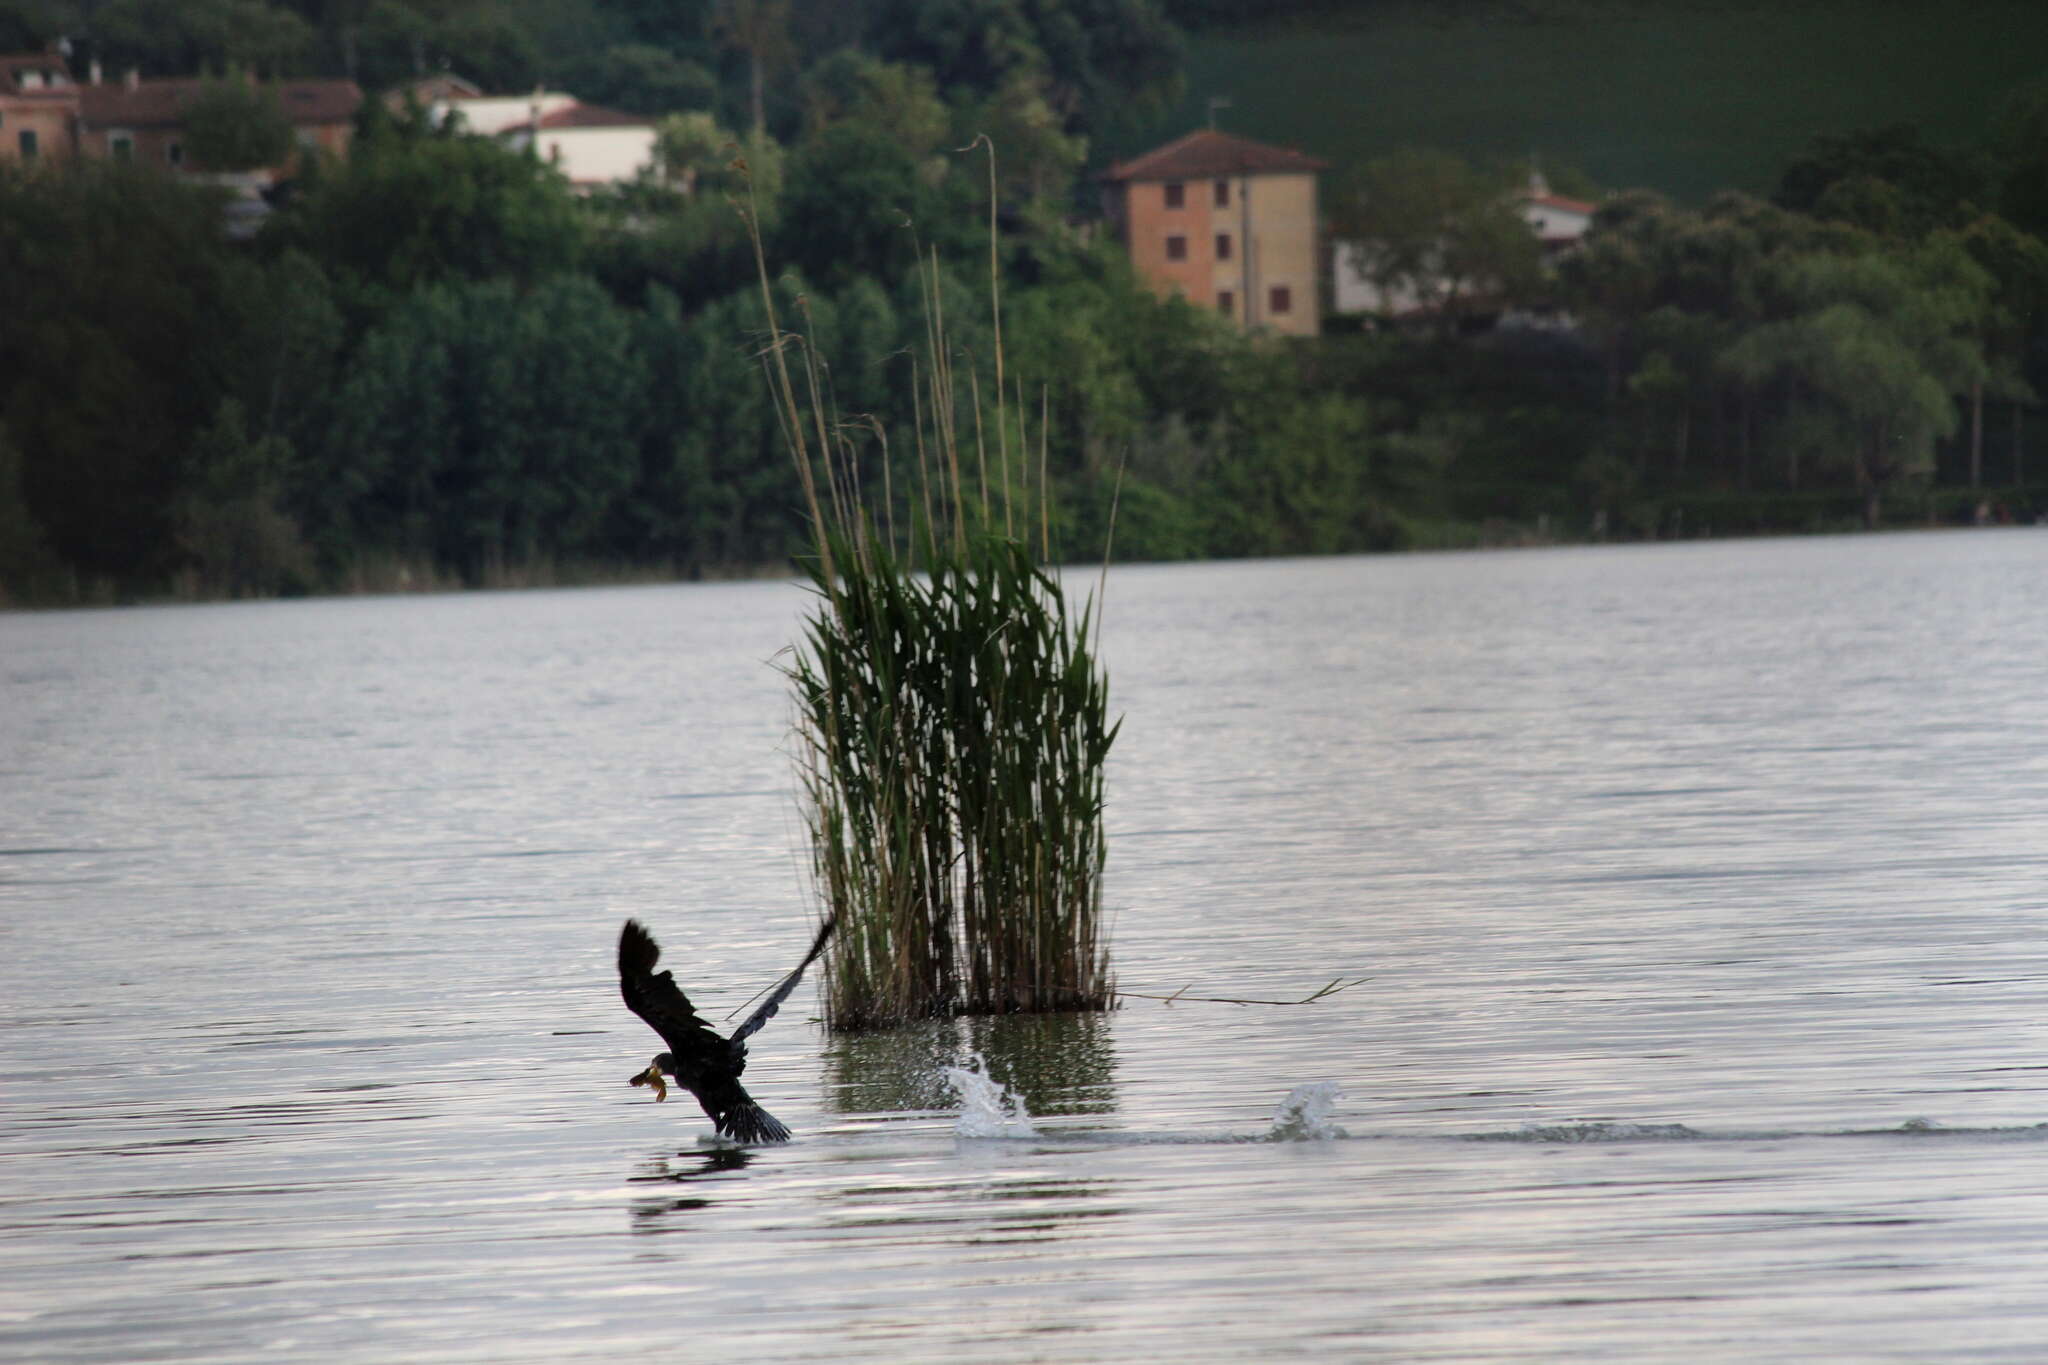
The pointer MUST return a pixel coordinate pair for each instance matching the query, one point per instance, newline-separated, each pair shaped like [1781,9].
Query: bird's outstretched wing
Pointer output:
[655,997]
[785,986]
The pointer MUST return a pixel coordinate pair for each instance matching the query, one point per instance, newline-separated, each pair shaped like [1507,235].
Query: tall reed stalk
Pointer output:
[951,721]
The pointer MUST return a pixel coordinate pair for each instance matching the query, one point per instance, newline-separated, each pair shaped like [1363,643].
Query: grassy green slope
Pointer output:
[1685,96]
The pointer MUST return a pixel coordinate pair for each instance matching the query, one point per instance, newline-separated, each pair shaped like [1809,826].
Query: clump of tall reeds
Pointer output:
[952,722]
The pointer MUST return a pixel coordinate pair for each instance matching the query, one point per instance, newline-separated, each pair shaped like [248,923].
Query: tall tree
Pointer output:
[1432,231]
[2017,263]
[759,31]
[235,125]
[1871,359]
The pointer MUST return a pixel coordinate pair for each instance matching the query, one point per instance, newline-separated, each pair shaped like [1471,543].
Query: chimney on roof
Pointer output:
[92,71]
[133,79]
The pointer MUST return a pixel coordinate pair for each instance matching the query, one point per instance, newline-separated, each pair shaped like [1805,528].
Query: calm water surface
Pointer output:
[1703,890]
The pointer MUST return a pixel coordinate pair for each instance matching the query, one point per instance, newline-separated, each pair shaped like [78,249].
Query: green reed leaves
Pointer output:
[952,737]
[951,718]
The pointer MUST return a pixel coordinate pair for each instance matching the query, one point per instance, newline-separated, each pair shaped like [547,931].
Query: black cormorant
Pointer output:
[703,1063]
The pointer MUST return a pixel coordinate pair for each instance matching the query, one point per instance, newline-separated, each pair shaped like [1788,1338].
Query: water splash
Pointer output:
[1306,1114]
[987,1109]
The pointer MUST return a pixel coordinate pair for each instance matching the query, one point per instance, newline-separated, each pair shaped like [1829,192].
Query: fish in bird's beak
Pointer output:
[652,1077]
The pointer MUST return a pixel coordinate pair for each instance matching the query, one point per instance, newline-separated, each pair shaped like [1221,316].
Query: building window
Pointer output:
[1176,194]
[1223,194]
[1176,248]
[1226,303]
[175,153]
[27,142]
[1279,299]
[1222,246]
[121,147]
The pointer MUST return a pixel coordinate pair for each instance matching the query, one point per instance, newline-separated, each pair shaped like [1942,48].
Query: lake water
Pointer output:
[1702,891]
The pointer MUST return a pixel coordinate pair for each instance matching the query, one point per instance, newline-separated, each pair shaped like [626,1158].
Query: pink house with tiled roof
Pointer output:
[38,106]
[44,113]
[144,120]
[1226,223]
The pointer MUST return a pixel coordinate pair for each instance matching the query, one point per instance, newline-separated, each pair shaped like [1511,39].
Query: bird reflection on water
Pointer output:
[684,1168]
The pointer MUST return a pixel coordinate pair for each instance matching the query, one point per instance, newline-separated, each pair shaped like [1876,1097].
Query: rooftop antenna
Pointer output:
[1216,102]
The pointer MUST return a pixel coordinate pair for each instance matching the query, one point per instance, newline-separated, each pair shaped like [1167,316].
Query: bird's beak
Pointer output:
[652,1077]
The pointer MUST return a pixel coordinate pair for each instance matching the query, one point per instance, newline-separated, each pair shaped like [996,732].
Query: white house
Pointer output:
[592,146]
[1557,221]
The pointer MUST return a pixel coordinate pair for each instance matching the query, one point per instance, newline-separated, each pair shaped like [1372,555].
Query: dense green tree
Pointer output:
[1872,358]
[679,26]
[408,210]
[124,310]
[483,425]
[899,100]
[27,25]
[1095,60]
[1299,482]
[2017,264]
[1886,180]
[28,569]
[235,125]
[1108,61]
[490,46]
[852,198]
[1035,160]
[181,37]
[233,536]
[1426,227]
[385,44]
[642,79]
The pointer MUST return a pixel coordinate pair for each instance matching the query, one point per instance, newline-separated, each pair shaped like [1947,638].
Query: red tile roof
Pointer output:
[589,116]
[48,64]
[1558,201]
[161,103]
[1206,152]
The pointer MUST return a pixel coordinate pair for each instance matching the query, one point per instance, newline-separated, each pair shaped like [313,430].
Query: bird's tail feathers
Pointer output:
[749,1122]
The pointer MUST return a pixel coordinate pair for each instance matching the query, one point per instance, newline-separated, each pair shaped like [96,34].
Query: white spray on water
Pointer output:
[1306,1114]
[987,1110]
